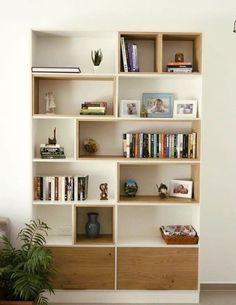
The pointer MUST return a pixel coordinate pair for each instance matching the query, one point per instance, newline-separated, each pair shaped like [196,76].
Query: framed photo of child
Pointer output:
[185,108]
[158,105]
[181,188]
[129,108]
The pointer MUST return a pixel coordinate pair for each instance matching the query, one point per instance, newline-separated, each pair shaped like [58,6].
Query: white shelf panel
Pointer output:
[158,75]
[147,241]
[39,160]
[59,240]
[85,203]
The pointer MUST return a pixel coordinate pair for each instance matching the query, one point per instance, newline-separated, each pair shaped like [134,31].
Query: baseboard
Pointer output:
[135,297]
[218,286]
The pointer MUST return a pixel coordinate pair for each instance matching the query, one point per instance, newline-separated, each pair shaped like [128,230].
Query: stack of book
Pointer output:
[93,108]
[52,151]
[179,67]
[129,56]
[147,145]
[60,188]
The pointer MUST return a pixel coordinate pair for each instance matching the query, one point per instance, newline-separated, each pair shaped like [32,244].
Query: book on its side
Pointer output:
[56,69]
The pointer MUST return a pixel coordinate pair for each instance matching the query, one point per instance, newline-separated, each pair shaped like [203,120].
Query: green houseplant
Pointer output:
[25,272]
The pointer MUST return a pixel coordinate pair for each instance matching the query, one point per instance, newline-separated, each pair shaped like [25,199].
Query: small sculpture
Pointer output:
[163,190]
[54,140]
[96,56]
[104,191]
[90,145]
[130,188]
[179,57]
[50,103]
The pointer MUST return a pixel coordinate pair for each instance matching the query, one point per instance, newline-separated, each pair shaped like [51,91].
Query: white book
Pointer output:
[76,188]
[52,188]
[128,143]
[56,69]
[63,188]
[124,56]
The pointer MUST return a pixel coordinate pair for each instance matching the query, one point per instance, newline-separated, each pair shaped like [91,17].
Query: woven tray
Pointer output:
[180,240]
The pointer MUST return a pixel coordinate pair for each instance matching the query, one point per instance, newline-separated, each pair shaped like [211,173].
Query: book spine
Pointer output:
[41,188]
[128,143]
[136,145]
[149,146]
[36,188]
[124,145]
[145,145]
[132,152]
[63,188]
[52,188]
[154,145]
[56,189]
[158,145]
[135,58]
[175,145]
[66,188]
[140,145]
[124,56]
[130,60]
[194,145]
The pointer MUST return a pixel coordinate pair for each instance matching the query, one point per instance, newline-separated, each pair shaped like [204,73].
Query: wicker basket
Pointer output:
[180,240]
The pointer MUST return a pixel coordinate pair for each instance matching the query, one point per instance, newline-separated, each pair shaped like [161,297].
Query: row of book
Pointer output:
[60,188]
[93,108]
[147,145]
[179,67]
[129,56]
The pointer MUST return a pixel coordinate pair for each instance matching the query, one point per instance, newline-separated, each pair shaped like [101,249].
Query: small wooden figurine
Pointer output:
[53,141]
[104,191]
[179,57]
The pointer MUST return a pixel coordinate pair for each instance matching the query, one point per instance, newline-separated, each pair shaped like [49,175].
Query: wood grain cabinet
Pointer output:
[158,268]
[84,268]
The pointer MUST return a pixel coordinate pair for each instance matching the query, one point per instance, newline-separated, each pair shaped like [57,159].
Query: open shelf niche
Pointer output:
[106,218]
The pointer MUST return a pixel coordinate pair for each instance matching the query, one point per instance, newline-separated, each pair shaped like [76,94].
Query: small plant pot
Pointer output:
[96,69]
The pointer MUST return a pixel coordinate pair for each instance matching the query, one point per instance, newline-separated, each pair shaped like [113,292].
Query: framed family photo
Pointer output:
[181,188]
[158,105]
[129,108]
[185,108]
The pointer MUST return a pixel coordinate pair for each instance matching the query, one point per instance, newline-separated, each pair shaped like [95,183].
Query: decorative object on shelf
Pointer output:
[82,183]
[26,272]
[52,150]
[181,188]
[93,108]
[179,57]
[129,108]
[158,105]
[97,57]
[130,188]
[90,145]
[144,113]
[234,27]
[92,227]
[185,109]
[53,141]
[104,191]
[50,103]
[179,234]
[163,190]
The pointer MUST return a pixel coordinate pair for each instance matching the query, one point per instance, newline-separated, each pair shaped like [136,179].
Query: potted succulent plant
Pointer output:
[97,57]
[26,271]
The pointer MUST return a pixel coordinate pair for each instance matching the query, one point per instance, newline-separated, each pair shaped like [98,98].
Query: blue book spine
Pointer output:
[135,58]
[130,58]
[155,145]
[140,145]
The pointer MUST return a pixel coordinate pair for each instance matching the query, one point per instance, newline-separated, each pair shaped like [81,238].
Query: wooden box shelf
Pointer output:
[106,220]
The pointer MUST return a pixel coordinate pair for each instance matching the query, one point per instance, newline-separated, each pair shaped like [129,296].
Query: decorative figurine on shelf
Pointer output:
[53,141]
[163,190]
[144,113]
[50,103]
[90,145]
[97,57]
[179,57]
[130,188]
[104,191]
[92,227]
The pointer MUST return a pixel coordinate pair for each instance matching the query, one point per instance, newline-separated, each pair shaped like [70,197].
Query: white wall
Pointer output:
[213,18]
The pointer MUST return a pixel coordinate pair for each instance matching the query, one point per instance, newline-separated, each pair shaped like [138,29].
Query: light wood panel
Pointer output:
[196,181]
[102,239]
[83,268]
[158,268]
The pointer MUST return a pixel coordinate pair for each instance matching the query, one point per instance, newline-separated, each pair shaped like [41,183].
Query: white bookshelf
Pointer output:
[126,223]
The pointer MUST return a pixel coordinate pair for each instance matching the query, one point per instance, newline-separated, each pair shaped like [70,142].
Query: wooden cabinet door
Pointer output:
[158,268]
[83,268]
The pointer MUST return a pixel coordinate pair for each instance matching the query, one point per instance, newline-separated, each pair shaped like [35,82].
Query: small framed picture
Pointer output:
[185,108]
[181,188]
[158,105]
[130,108]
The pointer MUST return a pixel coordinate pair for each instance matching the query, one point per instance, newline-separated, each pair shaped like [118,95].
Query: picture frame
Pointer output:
[158,105]
[185,108]
[129,108]
[181,188]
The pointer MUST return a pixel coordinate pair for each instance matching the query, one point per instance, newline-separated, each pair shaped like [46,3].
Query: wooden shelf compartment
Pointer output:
[190,44]
[172,269]
[139,226]
[148,50]
[147,176]
[106,218]
[109,136]
[71,91]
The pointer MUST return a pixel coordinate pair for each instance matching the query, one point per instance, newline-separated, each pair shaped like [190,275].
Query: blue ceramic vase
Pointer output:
[92,226]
